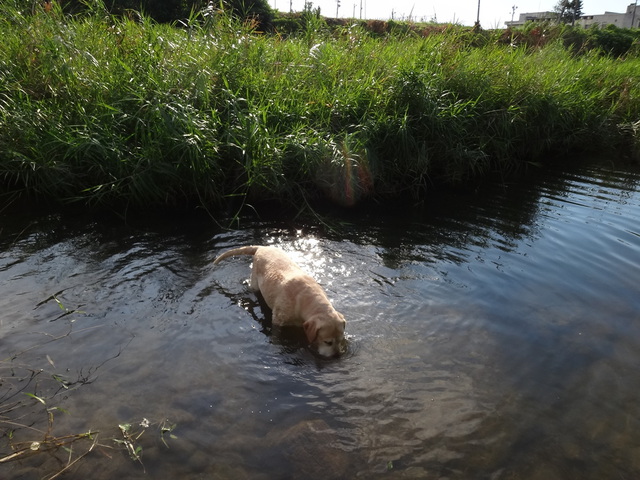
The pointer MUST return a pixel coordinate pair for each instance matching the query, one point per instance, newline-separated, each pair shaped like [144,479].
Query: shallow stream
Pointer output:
[492,334]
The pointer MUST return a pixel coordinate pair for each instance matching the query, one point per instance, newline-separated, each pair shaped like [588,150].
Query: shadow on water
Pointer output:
[492,334]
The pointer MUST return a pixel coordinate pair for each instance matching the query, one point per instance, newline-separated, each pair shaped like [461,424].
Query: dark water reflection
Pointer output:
[493,334]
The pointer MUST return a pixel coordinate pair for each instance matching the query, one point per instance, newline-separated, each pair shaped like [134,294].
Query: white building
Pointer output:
[629,19]
[533,17]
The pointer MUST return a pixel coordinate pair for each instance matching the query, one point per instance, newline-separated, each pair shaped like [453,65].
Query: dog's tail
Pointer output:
[250,250]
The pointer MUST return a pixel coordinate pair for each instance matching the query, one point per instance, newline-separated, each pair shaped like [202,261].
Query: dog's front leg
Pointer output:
[281,316]
[276,317]
[254,284]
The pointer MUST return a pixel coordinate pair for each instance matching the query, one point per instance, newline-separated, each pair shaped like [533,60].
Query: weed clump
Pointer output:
[123,111]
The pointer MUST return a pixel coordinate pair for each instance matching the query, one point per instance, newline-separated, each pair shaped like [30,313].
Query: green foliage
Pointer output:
[610,40]
[170,11]
[121,110]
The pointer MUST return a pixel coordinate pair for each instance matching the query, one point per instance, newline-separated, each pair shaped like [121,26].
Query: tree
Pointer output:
[166,11]
[256,9]
[162,11]
[568,11]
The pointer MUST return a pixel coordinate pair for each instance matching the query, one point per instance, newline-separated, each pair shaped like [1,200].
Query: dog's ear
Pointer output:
[311,330]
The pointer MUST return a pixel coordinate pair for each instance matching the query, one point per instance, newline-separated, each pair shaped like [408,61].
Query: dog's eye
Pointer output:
[328,342]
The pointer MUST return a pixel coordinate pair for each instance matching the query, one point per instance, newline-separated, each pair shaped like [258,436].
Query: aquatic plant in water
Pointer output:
[30,403]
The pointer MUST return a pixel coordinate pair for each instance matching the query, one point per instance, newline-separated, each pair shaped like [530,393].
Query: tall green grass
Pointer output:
[124,111]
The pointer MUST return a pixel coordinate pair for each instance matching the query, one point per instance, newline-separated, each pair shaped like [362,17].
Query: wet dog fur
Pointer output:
[294,297]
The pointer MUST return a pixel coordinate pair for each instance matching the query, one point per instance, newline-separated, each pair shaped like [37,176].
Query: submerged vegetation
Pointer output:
[32,394]
[121,110]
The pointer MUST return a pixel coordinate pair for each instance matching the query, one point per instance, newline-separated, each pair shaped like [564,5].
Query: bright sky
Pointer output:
[493,13]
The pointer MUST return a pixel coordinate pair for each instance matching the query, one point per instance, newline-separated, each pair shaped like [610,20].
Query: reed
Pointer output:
[122,111]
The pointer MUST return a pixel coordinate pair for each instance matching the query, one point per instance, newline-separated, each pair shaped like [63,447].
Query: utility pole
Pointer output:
[337,7]
[513,12]
[478,17]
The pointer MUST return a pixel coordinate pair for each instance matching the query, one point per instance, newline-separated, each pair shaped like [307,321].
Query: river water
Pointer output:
[491,334]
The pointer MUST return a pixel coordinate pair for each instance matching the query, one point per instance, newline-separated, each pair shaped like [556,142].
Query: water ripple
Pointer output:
[490,335]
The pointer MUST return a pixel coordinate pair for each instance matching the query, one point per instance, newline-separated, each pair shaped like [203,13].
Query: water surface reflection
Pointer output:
[492,334]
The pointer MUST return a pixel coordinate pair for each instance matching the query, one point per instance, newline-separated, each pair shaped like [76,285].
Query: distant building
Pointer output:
[629,19]
[533,17]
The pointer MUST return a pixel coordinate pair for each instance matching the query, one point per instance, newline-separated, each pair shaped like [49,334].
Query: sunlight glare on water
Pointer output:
[314,257]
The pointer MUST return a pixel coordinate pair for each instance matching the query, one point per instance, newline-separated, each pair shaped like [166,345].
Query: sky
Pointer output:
[493,13]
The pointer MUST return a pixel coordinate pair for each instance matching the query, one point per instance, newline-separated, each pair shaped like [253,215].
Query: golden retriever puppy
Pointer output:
[294,297]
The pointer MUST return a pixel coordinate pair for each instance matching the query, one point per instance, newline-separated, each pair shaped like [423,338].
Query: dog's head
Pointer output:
[326,333]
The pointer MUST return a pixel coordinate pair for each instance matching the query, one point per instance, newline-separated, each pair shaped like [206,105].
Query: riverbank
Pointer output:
[113,111]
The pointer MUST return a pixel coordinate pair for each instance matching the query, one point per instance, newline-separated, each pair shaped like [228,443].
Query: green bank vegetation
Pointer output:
[120,110]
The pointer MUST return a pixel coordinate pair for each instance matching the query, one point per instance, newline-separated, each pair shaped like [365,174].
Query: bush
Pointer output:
[612,40]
